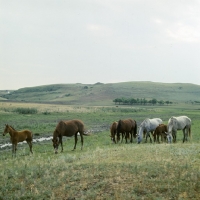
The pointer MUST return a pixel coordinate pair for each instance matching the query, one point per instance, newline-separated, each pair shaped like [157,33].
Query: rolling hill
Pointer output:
[103,94]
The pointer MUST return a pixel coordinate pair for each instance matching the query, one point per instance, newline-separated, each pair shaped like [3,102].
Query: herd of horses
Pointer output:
[123,128]
[154,126]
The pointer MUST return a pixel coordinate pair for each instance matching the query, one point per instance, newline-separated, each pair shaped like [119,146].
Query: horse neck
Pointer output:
[11,131]
[55,134]
[141,129]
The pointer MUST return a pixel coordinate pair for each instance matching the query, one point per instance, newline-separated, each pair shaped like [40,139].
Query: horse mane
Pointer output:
[12,127]
[144,122]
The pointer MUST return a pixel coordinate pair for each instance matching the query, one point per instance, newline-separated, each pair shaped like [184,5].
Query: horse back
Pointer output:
[126,125]
[181,122]
[69,128]
[153,124]
[20,136]
[160,129]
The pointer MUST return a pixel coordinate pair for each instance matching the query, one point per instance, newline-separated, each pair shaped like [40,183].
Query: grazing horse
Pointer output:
[127,126]
[178,123]
[18,136]
[160,131]
[148,125]
[68,128]
[113,131]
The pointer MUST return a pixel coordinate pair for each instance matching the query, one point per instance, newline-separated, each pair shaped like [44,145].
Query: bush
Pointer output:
[26,110]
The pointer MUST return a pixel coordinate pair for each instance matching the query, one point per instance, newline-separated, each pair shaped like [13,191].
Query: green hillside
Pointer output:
[104,94]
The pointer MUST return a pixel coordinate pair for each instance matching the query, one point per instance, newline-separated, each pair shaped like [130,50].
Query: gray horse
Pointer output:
[178,123]
[148,125]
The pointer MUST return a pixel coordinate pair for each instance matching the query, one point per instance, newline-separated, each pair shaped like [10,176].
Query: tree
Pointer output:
[161,102]
[154,101]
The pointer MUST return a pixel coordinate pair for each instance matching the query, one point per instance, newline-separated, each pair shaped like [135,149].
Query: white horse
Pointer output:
[148,125]
[178,123]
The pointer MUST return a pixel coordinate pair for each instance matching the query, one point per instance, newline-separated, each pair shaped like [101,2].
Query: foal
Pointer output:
[18,136]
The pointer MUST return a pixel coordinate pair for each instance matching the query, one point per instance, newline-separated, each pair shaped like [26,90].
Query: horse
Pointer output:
[68,128]
[160,131]
[178,123]
[148,125]
[113,131]
[125,127]
[18,136]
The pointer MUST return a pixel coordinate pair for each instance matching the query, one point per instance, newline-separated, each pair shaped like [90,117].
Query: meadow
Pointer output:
[102,170]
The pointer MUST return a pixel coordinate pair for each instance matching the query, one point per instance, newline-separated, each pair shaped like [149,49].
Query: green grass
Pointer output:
[102,170]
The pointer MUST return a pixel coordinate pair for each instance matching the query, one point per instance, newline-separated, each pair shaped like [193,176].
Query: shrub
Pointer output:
[26,110]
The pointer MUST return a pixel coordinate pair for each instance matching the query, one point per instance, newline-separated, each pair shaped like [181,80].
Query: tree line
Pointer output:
[143,101]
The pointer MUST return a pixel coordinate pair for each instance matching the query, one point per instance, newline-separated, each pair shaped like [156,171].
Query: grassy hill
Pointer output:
[104,94]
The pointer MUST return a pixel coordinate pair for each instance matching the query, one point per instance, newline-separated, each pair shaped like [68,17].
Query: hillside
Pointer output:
[104,94]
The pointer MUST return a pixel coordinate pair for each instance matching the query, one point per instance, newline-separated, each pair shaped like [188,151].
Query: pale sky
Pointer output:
[87,41]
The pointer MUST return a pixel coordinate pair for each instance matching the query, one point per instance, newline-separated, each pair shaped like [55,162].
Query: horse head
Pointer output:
[169,137]
[55,144]
[6,130]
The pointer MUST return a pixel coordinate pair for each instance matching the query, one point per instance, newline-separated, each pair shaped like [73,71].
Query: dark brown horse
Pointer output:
[160,131]
[68,128]
[127,126]
[18,136]
[113,131]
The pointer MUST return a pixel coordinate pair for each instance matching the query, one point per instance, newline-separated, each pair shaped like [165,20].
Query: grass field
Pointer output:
[102,170]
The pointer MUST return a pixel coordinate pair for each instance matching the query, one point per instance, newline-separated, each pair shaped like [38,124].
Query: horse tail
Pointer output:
[190,134]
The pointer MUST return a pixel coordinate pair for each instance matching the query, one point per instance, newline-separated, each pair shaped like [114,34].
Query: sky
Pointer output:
[46,42]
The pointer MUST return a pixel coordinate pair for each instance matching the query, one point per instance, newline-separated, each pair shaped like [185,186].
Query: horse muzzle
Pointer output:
[56,151]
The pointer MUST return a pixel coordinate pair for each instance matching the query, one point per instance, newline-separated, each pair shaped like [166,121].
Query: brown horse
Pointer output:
[113,131]
[160,131]
[127,126]
[18,136]
[68,128]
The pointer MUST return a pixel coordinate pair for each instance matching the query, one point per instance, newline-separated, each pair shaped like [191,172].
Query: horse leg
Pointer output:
[154,137]
[114,138]
[30,146]
[174,136]
[131,137]
[13,149]
[126,136]
[184,135]
[118,137]
[158,138]
[122,137]
[76,139]
[81,140]
[60,141]
[146,135]
[149,136]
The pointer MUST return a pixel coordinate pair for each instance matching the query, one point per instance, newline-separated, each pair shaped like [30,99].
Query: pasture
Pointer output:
[102,170]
